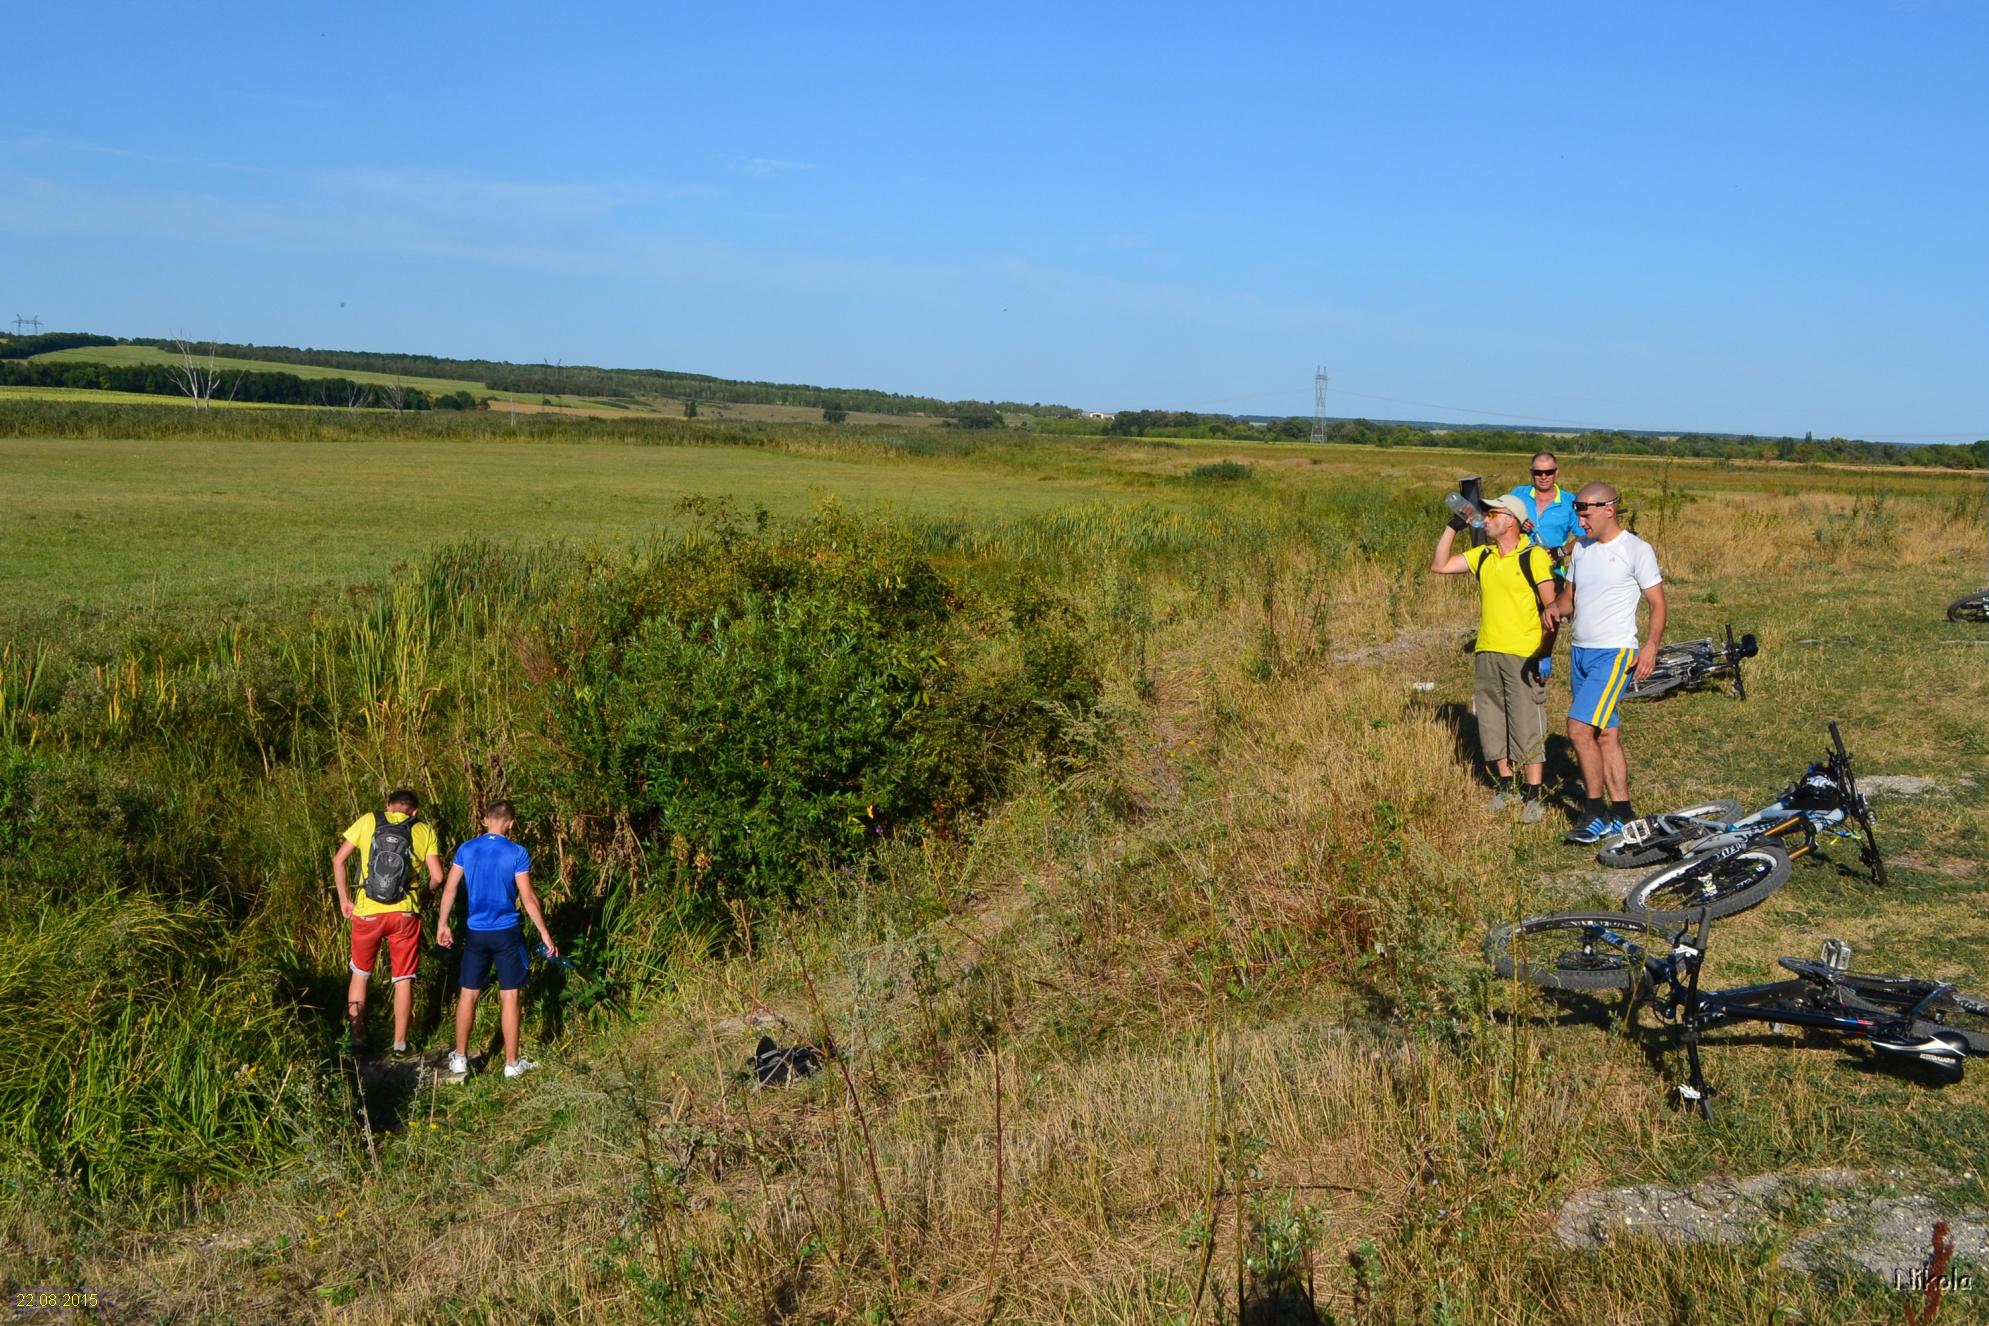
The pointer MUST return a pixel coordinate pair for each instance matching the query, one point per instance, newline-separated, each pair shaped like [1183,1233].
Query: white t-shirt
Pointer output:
[1609,578]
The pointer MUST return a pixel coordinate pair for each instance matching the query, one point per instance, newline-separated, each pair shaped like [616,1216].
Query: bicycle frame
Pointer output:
[1834,789]
[1689,1012]
[1691,663]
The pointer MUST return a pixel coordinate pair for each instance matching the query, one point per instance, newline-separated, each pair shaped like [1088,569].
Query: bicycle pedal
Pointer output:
[1636,833]
[1836,955]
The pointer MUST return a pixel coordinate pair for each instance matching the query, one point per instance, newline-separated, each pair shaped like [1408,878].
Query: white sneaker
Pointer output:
[459,1065]
[519,1067]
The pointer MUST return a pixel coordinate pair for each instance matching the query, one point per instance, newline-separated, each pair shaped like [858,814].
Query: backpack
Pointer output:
[390,861]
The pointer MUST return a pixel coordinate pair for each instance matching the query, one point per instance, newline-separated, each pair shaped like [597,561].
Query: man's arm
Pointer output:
[1444,562]
[338,860]
[530,902]
[444,935]
[434,873]
[1647,656]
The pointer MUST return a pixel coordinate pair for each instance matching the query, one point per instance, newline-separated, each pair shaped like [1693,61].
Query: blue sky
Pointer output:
[1763,217]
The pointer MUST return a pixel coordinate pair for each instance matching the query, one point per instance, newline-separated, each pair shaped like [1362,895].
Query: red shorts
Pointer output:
[401,930]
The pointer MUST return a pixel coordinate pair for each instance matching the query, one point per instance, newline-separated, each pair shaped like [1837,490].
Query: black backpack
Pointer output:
[390,862]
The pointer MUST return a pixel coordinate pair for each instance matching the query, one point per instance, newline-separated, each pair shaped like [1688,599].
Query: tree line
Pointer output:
[26,347]
[550,379]
[1367,432]
[248,386]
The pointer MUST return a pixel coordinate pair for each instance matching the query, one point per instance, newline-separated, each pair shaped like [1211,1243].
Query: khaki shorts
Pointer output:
[1512,710]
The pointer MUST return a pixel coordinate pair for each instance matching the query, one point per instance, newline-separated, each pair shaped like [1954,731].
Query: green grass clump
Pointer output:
[1222,471]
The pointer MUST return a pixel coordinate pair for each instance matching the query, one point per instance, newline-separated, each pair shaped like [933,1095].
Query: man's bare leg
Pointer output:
[1589,752]
[1615,767]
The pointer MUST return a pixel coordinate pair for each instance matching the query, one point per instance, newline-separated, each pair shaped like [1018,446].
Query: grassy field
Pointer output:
[1187,1023]
[110,526]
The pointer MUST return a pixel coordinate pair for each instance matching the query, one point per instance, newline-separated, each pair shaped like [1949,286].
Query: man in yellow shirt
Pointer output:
[391,847]
[1515,584]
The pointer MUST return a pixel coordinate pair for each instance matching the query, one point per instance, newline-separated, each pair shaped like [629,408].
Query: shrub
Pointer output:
[1222,471]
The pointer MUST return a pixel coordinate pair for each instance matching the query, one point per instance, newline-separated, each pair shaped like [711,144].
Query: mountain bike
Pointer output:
[1924,1024]
[1693,663]
[1970,607]
[1730,864]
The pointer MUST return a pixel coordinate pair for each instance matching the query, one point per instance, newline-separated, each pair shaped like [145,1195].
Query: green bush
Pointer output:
[758,705]
[1222,471]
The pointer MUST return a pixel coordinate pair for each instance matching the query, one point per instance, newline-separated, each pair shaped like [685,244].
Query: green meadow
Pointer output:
[1107,810]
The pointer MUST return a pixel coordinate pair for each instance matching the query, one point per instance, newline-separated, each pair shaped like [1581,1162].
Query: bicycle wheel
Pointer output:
[1722,885]
[1971,608]
[1665,847]
[1576,950]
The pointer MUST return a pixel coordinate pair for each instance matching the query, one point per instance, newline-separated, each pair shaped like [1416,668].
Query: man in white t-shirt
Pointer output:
[1610,571]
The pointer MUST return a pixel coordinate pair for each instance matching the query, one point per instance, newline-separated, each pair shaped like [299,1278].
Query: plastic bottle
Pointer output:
[1463,506]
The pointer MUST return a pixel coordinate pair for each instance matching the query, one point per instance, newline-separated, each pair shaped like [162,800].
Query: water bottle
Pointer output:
[1463,506]
[540,952]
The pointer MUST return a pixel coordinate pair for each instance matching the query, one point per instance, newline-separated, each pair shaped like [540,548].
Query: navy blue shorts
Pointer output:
[501,949]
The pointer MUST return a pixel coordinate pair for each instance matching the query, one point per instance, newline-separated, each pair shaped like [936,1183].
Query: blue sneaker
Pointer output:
[1597,830]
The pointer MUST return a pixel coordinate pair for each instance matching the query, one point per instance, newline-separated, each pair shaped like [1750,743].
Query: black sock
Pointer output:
[1595,808]
[1620,810]
[1529,792]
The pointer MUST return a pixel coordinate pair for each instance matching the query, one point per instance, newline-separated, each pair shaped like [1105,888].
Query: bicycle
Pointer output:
[1970,607]
[1690,664]
[1729,863]
[1926,1024]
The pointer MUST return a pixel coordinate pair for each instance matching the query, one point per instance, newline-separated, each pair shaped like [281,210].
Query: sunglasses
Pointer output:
[1540,472]
[1590,506]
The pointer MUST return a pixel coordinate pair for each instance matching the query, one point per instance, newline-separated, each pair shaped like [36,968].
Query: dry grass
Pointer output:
[1229,975]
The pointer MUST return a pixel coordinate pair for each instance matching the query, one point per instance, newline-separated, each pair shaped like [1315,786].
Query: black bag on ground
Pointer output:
[390,861]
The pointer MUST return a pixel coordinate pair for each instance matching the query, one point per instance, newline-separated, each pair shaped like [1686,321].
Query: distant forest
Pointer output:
[1365,432]
[583,380]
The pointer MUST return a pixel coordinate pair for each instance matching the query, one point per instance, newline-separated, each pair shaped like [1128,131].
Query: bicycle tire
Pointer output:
[1721,887]
[1970,607]
[1623,856]
[1548,952]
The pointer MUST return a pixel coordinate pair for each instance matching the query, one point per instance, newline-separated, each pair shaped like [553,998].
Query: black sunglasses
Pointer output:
[1590,506]
[1544,471]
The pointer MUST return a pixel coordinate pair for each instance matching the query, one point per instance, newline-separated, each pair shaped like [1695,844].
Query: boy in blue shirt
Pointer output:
[496,873]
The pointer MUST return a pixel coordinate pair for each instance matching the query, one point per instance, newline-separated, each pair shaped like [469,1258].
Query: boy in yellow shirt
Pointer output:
[388,908]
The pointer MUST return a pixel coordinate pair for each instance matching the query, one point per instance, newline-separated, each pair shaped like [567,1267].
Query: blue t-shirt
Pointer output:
[1553,527]
[491,865]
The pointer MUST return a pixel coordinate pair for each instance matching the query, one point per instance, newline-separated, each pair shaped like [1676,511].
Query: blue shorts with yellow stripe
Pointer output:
[1597,677]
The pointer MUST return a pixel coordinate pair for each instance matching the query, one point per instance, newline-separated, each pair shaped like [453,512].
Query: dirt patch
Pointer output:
[1886,1236]
[1720,1210]
[1401,644]
[1890,1237]
[1899,785]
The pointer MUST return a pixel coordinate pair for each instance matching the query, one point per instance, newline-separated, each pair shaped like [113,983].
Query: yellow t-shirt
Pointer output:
[1509,607]
[360,835]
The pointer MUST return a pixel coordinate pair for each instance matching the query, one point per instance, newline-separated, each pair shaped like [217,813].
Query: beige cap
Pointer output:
[1509,504]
